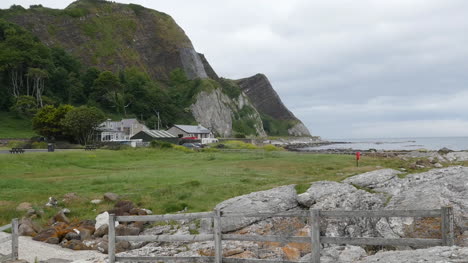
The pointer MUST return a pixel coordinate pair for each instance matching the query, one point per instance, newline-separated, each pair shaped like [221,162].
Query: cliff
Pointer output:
[111,36]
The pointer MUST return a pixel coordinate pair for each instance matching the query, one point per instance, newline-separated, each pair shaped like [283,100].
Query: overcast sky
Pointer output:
[346,68]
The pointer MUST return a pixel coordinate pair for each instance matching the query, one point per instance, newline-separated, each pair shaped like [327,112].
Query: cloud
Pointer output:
[344,67]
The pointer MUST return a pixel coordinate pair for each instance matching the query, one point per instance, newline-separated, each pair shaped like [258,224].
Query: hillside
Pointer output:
[134,42]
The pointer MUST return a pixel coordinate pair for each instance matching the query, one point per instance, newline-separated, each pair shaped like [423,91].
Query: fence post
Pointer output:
[447,226]
[218,246]
[14,239]
[315,235]
[111,239]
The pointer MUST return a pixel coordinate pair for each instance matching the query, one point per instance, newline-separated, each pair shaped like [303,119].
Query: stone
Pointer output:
[101,231]
[85,233]
[111,197]
[66,211]
[28,228]
[323,189]
[122,246]
[52,202]
[25,206]
[279,199]
[122,230]
[433,254]
[61,217]
[75,244]
[70,197]
[373,179]
[103,246]
[438,165]
[72,236]
[291,253]
[96,201]
[103,219]
[206,226]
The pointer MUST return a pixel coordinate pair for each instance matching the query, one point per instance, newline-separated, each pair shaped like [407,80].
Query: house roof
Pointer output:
[159,134]
[128,122]
[193,128]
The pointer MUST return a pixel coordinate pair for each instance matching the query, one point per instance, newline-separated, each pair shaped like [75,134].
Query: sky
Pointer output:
[346,68]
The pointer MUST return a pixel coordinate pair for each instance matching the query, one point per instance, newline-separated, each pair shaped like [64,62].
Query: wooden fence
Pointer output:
[314,215]
[13,238]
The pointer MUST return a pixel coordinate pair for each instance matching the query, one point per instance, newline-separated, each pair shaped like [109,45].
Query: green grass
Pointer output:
[14,127]
[164,181]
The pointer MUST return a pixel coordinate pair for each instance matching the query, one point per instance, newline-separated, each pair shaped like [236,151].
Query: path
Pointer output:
[31,250]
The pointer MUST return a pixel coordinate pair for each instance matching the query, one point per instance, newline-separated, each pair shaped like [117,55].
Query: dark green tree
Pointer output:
[82,122]
[48,121]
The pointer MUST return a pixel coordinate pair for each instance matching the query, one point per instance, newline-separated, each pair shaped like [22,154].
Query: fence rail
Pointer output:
[13,238]
[314,216]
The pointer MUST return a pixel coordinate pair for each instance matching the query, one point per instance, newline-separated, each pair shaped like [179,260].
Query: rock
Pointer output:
[103,246]
[28,228]
[70,197]
[66,211]
[112,197]
[122,208]
[291,253]
[206,226]
[25,206]
[323,189]
[279,199]
[103,219]
[457,156]
[101,231]
[75,245]
[96,201]
[433,254]
[373,179]
[61,217]
[339,254]
[52,202]
[148,212]
[15,261]
[444,150]
[122,230]
[85,233]
[72,236]
[122,246]
[30,212]
[438,165]
[47,234]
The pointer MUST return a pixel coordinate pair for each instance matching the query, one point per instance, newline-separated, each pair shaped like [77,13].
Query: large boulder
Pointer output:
[103,219]
[373,179]
[275,200]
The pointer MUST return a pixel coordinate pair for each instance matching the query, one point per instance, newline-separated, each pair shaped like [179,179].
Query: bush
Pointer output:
[271,148]
[161,145]
[211,150]
[239,145]
[17,144]
[39,145]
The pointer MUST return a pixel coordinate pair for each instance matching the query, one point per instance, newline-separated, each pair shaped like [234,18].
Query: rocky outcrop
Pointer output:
[434,254]
[265,99]
[278,199]
[215,110]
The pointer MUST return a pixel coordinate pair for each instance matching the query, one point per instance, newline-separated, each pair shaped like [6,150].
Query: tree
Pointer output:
[48,120]
[81,123]
[25,106]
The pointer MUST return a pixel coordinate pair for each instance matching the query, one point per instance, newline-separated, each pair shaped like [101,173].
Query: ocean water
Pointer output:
[435,143]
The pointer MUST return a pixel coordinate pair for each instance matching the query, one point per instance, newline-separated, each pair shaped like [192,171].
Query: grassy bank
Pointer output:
[14,127]
[163,180]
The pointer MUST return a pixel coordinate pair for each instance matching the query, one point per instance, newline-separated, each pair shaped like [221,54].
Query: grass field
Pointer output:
[164,181]
[14,127]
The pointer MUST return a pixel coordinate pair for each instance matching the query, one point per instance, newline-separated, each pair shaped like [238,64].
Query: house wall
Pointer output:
[176,131]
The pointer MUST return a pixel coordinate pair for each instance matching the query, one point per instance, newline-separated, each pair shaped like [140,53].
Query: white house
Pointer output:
[197,131]
[120,130]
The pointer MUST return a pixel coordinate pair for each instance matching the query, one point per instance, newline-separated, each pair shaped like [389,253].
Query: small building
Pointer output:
[120,130]
[155,135]
[183,131]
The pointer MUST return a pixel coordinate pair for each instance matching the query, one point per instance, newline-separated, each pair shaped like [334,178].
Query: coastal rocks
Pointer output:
[373,179]
[433,254]
[323,189]
[457,156]
[278,199]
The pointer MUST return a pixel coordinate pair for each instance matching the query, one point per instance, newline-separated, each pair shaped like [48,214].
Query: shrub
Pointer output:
[161,145]
[17,144]
[239,145]
[182,148]
[271,148]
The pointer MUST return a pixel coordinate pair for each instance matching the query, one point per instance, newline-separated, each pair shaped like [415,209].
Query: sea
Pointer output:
[395,144]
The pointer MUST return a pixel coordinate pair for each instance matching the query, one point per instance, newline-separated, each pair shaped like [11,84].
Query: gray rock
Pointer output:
[457,156]
[96,201]
[279,199]
[373,179]
[434,254]
[25,206]
[55,260]
[322,189]
[112,197]
[337,254]
[72,236]
[52,202]
[101,231]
